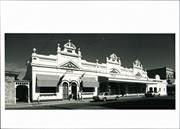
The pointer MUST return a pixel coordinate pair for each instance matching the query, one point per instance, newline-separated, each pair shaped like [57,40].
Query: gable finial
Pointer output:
[34,50]
[58,48]
[97,60]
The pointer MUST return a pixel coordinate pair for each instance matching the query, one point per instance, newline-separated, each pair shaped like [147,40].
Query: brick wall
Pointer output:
[10,91]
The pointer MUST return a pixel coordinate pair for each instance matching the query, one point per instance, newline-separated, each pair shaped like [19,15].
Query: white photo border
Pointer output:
[91,17]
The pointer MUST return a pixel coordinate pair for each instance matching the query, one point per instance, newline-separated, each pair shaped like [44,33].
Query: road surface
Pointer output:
[167,102]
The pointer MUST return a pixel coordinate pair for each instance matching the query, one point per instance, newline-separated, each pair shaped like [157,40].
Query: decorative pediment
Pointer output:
[138,75]
[114,71]
[137,64]
[70,45]
[70,49]
[69,65]
[113,59]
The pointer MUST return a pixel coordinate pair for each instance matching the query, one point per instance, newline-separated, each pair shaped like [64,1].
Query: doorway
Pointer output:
[74,90]
[151,89]
[22,93]
[65,90]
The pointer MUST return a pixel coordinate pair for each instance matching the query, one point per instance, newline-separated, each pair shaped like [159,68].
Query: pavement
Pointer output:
[44,103]
[57,102]
[84,102]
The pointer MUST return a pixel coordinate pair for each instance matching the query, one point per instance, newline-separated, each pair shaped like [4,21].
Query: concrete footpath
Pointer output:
[44,103]
[47,103]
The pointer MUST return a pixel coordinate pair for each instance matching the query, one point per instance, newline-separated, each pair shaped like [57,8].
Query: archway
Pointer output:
[65,90]
[22,93]
[74,90]
[150,89]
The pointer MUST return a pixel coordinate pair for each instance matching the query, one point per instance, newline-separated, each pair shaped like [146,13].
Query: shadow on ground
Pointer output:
[141,103]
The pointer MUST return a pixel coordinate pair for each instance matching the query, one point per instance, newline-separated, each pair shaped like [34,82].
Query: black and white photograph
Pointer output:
[90,71]
[89,64]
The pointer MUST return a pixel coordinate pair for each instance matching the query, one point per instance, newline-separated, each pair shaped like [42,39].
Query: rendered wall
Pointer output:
[10,91]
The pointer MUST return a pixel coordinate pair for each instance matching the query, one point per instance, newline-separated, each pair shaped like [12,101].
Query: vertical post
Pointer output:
[58,54]
[126,89]
[28,93]
[146,88]
[15,93]
[97,66]
[34,95]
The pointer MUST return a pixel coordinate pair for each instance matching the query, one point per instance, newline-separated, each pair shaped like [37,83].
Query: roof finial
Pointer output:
[79,52]
[69,40]
[97,60]
[58,48]
[34,50]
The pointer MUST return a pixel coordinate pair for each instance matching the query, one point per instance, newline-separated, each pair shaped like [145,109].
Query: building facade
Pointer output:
[167,74]
[56,77]
[164,73]
[10,91]
[16,90]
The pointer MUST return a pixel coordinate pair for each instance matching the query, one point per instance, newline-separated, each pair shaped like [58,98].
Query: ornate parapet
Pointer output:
[113,59]
[137,64]
[69,49]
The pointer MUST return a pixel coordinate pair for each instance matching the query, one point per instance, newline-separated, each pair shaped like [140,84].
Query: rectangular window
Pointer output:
[106,94]
[69,51]
[159,89]
[88,89]
[47,89]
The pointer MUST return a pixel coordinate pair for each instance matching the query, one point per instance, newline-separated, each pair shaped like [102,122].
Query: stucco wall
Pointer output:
[10,91]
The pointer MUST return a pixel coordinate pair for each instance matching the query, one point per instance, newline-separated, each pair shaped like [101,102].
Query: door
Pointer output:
[74,90]
[151,89]
[65,90]
[22,93]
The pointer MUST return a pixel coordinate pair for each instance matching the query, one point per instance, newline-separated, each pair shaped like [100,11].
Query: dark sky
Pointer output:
[153,50]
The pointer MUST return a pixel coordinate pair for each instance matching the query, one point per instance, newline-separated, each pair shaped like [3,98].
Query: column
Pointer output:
[15,92]
[126,89]
[119,89]
[146,88]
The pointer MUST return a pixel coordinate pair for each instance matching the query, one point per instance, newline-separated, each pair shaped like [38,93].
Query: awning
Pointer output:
[47,80]
[90,82]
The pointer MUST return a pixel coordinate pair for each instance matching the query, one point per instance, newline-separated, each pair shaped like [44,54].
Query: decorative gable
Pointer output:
[69,65]
[138,75]
[114,71]
[137,64]
[113,59]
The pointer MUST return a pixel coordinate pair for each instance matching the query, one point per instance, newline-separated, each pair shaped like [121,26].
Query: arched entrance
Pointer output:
[151,89]
[74,90]
[65,90]
[21,93]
